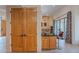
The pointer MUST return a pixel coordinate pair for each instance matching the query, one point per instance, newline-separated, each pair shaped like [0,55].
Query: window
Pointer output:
[60,25]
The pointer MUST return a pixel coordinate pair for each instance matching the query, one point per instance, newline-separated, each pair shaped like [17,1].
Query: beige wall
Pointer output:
[49,21]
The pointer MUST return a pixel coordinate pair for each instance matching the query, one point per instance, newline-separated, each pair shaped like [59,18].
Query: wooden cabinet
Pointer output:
[24,29]
[45,42]
[49,42]
[52,43]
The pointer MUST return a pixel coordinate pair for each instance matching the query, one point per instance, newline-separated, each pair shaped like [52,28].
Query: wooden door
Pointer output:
[29,30]
[17,29]
[45,42]
[24,33]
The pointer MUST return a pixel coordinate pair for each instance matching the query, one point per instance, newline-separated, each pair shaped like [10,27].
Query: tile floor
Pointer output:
[67,49]
[2,44]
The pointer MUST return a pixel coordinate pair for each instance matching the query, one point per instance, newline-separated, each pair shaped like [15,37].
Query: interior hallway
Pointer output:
[55,14]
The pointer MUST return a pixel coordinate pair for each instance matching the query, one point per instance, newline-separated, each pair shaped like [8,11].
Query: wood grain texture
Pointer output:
[45,42]
[52,43]
[49,42]
[23,22]
[29,30]
[16,29]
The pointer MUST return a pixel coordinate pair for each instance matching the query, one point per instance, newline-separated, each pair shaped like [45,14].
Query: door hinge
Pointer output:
[11,44]
[10,33]
[10,22]
[10,11]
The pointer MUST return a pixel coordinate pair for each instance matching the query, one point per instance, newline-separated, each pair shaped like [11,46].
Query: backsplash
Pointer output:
[46,25]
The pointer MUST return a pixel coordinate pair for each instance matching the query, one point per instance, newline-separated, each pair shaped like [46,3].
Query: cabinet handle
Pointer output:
[23,35]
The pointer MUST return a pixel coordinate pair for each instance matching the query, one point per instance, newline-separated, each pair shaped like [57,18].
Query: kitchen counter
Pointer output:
[48,35]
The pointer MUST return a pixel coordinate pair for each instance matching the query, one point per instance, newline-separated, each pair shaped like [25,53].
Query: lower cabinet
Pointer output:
[52,42]
[49,42]
[45,42]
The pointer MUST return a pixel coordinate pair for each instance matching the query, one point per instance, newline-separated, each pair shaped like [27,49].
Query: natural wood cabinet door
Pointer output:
[16,29]
[45,42]
[29,29]
[52,43]
[24,29]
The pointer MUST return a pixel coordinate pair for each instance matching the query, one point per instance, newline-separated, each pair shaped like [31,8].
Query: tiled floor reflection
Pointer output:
[2,44]
[68,48]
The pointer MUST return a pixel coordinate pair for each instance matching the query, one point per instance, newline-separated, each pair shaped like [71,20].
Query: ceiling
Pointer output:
[50,9]
[45,9]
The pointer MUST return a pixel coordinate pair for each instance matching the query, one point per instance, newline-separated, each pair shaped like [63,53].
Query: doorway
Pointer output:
[24,29]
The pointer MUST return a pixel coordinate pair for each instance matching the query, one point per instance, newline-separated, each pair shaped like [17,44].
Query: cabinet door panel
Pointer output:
[52,42]
[30,29]
[45,42]
[16,29]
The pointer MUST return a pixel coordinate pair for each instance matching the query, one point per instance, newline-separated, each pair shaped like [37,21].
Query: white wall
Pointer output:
[38,27]
[39,41]
[8,30]
[75,21]
[76,18]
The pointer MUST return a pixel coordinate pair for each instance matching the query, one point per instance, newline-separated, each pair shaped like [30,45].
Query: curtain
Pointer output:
[54,27]
[69,28]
